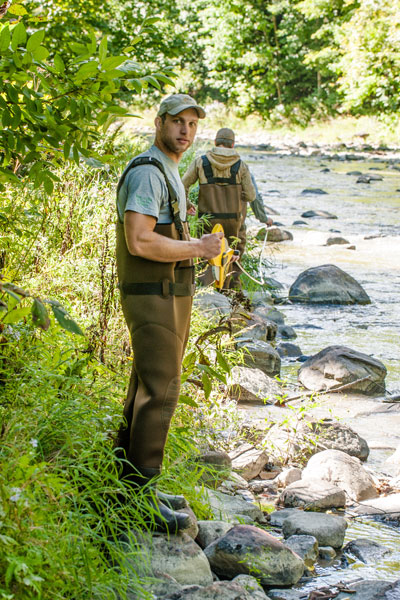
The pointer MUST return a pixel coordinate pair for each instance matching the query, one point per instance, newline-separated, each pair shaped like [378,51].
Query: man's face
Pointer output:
[176,133]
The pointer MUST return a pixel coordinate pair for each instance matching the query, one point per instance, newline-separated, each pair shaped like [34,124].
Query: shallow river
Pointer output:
[368,216]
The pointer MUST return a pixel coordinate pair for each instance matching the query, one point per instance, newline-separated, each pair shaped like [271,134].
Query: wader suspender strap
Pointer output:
[208,172]
[172,198]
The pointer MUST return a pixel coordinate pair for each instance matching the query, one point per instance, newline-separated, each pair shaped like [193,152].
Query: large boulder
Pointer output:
[248,462]
[327,434]
[327,284]
[372,589]
[220,590]
[336,366]
[252,551]
[368,551]
[344,471]
[329,530]
[313,495]
[232,508]
[386,508]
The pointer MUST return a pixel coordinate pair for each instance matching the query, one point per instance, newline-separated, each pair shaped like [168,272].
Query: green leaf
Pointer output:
[223,363]
[86,70]
[164,78]
[59,64]
[64,319]
[18,37]
[207,385]
[103,49]
[17,314]
[150,21]
[40,54]
[17,10]
[152,80]
[5,38]
[40,316]
[112,62]
[188,401]
[35,40]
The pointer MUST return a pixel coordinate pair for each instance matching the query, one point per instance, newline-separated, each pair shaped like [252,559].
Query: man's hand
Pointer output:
[211,244]
[269,222]
[191,209]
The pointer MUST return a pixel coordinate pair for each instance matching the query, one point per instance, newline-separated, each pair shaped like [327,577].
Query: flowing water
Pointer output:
[368,216]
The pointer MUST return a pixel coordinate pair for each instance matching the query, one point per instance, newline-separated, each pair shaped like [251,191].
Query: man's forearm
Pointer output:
[153,246]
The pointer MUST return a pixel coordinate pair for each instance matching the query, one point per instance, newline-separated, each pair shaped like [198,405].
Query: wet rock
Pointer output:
[178,556]
[352,247]
[364,179]
[288,349]
[246,549]
[252,385]
[306,546]
[327,284]
[332,241]
[325,170]
[332,435]
[384,507]
[299,222]
[161,585]
[259,328]
[375,177]
[316,191]
[231,508]
[337,366]
[322,214]
[277,517]
[234,483]
[212,303]
[329,530]
[270,314]
[280,594]
[209,531]
[366,550]
[312,494]
[288,476]
[261,355]
[275,234]
[286,332]
[372,589]
[249,463]
[354,173]
[251,585]
[327,553]
[220,590]
[344,471]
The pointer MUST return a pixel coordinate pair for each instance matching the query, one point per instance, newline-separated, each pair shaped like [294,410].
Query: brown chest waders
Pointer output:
[156,301]
[220,199]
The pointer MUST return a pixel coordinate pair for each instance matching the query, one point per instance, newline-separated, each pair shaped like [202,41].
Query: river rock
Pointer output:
[280,594]
[251,585]
[220,590]
[209,531]
[252,385]
[286,332]
[366,550]
[231,508]
[252,551]
[316,191]
[259,329]
[334,240]
[212,303]
[277,517]
[305,546]
[288,476]
[327,284]
[260,298]
[394,459]
[312,494]
[328,529]
[270,314]
[178,556]
[338,365]
[372,589]
[160,586]
[384,507]
[322,214]
[332,435]
[250,462]
[288,349]
[327,553]
[261,355]
[344,471]
[364,179]
[275,234]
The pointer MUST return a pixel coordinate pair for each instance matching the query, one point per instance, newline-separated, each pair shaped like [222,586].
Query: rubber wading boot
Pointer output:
[160,517]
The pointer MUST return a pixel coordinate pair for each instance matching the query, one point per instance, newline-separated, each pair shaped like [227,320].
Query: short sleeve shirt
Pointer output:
[145,191]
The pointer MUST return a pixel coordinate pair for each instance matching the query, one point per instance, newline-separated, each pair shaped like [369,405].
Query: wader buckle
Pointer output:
[165,288]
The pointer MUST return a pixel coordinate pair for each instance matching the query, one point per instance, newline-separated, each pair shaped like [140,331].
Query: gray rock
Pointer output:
[221,590]
[299,222]
[161,585]
[332,241]
[252,385]
[332,435]
[354,173]
[260,298]
[212,303]
[327,553]
[280,594]
[322,214]
[270,314]
[288,476]
[328,529]
[366,550]
[344,471]
[364,179]
[312,494]
[288,349]
[277,517]
[250,463]
[251,585]
[232,508]
[246,549]
[209,531]
[286,332]
[327,284]
[306,546]
[372,589]
[175,555]
[261,355]
[275,234]
[336,366]
[316,191]
[385,507]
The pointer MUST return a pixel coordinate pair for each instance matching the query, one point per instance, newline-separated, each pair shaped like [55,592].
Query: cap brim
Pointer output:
[200,111]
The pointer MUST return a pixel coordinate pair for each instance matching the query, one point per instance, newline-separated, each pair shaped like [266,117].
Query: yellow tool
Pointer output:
[221,262]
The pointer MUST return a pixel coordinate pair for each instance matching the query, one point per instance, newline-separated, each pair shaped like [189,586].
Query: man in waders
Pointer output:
[224,190]
[156,279]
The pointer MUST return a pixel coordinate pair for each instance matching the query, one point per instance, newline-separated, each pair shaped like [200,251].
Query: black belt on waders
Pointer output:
[208,172]
[165,287]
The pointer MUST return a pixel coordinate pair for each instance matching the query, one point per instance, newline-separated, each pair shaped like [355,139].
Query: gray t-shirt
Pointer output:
[145,191]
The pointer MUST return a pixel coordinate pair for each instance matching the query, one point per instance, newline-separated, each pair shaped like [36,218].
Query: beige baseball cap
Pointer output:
[176,103]
[225,136]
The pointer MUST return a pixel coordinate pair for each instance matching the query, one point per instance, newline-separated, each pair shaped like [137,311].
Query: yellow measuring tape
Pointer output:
[221,262]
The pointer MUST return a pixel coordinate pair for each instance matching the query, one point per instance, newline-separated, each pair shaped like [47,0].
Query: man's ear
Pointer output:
[157,122]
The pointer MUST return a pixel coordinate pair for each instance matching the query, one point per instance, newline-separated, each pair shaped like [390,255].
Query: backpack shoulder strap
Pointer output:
[172,197]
